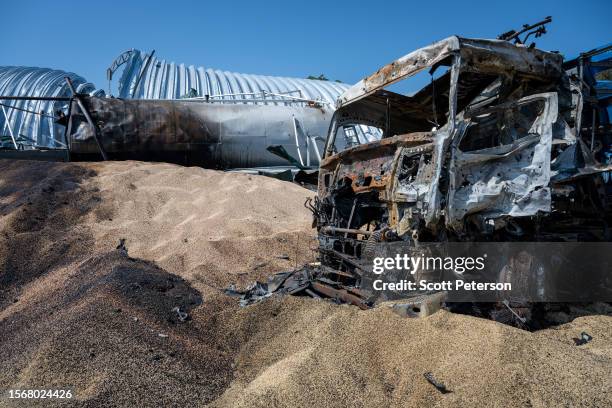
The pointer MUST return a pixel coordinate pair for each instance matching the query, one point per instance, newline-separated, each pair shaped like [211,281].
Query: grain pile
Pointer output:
[211,227]
[75,311]
[311,353]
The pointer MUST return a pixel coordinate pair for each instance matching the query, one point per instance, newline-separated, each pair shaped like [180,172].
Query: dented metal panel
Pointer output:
[511,179]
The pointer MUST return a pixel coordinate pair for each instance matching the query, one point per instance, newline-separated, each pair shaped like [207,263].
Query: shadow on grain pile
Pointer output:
[116,329]
[40,213]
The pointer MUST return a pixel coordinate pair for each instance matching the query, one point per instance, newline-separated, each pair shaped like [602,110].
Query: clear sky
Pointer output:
[344,40]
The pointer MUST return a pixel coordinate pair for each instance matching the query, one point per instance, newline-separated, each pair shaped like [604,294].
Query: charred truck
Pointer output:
[498,145]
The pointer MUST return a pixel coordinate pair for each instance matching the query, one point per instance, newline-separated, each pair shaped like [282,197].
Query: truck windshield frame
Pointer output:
[366,111]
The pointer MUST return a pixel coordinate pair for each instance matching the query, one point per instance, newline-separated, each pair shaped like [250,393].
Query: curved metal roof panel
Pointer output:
[147,77]
[32,122]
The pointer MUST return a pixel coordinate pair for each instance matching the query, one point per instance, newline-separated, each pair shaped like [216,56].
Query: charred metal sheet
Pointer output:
[309,281]
[146,76]
[216,136]
[484,56]
[511,179]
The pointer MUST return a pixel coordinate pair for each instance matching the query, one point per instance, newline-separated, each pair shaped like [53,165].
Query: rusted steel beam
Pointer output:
[347,258]
[340,294]
[350,220]
[331,230]
[330,271]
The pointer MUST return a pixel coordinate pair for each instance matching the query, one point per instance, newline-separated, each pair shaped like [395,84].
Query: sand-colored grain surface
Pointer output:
[76,312]
[312,353]
[211,227]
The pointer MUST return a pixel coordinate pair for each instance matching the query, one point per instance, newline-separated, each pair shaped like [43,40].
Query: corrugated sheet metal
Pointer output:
[147,77]
[144,77]
[31,128]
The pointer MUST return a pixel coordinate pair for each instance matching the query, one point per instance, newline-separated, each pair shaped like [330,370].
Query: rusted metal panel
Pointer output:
[405,66]
[484,56]
[340,294]
[510,180]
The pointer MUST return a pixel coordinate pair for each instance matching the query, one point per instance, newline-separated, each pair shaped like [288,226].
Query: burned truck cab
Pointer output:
[486,149]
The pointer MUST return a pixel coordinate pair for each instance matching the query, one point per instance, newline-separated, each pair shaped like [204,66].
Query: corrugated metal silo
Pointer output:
[147,77]
[32,122]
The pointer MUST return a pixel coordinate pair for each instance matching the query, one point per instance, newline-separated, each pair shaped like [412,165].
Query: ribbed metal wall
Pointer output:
[147,77]
[32,81]
[153,79]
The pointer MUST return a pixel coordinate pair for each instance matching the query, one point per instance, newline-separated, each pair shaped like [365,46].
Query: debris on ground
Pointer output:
[584,339]
[121,247]
[310,280]
[439,386]
[182,316]
[259,265]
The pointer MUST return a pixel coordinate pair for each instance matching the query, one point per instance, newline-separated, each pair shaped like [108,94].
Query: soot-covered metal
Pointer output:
[488,152]
[196,132]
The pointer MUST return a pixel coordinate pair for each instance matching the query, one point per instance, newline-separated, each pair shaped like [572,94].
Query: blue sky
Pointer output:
[343,40]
